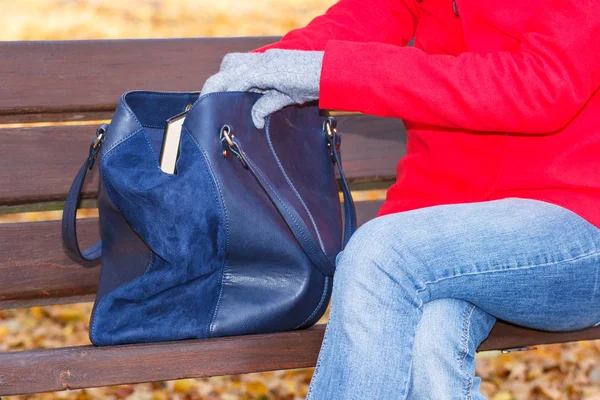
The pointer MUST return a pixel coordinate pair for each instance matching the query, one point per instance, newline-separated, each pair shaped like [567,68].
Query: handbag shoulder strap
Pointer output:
[69,225]
[289,214]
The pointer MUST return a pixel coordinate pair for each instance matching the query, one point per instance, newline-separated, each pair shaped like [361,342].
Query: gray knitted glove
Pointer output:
[285,77]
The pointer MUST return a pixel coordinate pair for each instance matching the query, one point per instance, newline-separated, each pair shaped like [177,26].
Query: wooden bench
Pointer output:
[81,81]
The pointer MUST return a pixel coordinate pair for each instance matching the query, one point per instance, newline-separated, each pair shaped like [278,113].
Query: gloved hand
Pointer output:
[285,77]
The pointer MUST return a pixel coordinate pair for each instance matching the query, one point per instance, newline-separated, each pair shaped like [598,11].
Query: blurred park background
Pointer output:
[556,372]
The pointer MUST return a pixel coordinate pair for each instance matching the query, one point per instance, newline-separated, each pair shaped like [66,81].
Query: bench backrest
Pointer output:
[80,82]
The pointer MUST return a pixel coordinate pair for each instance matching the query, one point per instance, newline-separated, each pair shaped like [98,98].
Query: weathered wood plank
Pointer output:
[87,366]
[38,164]
[64,76]
[507,336]
[35,269]
[66,116]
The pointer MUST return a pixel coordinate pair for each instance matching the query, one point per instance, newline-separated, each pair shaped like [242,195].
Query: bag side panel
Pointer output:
[268,283]
[178,217]
[124,255]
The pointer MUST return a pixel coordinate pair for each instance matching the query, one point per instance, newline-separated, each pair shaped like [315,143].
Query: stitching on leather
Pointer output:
[287,179]
[154,156]
[276,194]
[106,157]
[120,142]
[224,220]
[130,112]
[148,93]
[213,95]
[151,263]
[323,297]
[140,127]
[347,205]
[282,204]
[144,93]
[109,193]
[99,250]
[93,324]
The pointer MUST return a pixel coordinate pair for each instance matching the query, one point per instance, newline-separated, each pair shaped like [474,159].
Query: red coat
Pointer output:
[500,98]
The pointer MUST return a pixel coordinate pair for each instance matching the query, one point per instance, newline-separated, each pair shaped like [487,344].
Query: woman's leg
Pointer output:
[446,339]
[525,261]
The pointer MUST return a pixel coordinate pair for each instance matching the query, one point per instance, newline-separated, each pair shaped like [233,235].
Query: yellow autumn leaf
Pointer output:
[159,395]
[37,312]
[256,388]
[503,396]
[68,314]
[183,385]
[534,373]
[4,331]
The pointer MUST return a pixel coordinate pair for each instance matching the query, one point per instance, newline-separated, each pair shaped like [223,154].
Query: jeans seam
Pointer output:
[465,349]
[318,364]
[510,269]
[409,356]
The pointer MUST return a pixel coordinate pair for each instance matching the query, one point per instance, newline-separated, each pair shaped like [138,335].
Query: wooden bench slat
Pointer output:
[507,336]
[35,269]
[67,116]
[60,76]
[87,366]
[38,164]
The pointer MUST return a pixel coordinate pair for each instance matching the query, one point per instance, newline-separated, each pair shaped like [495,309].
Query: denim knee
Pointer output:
[369,276]
[370,244]
[381,252]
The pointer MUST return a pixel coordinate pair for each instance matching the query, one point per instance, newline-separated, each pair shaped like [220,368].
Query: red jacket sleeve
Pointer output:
[382,21]
[537,89]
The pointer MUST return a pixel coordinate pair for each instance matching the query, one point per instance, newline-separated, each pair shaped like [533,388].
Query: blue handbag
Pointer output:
[241,240]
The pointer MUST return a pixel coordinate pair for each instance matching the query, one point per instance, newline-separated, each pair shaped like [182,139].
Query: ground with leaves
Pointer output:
[557,372]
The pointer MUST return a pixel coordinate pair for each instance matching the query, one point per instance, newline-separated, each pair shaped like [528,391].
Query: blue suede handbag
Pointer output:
[242,239]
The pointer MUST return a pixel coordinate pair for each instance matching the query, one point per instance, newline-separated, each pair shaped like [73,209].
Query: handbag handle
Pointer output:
[69,225]
[286,210]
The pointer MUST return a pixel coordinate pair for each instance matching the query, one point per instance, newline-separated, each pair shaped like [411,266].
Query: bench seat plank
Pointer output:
[38,164]
[88,366]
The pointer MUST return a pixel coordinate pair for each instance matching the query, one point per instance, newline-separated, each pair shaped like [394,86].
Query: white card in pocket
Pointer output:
[169,152]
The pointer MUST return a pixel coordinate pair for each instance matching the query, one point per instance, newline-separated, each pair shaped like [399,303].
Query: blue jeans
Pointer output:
[416,292]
